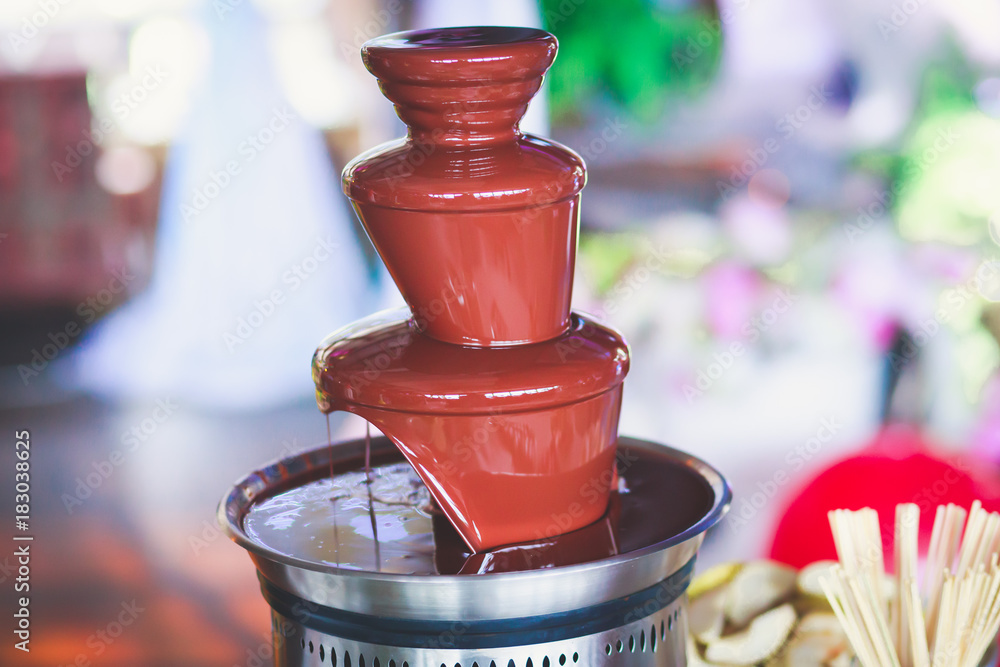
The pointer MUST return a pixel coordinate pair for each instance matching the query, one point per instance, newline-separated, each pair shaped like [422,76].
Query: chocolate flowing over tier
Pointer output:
[513,443]
[383,361]
[504,402]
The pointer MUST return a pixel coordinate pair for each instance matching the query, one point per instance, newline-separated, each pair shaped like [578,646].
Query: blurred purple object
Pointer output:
[986,436]
[732,291]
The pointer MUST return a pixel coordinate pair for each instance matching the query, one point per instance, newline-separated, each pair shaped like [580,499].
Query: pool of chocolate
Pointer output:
[384,520]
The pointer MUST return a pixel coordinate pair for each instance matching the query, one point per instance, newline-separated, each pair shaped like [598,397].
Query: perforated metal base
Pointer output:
[655,640]
[625,609]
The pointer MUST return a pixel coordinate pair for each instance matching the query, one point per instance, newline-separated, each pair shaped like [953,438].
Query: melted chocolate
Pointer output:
[476,222]
[505,403]
[656,500]
[513,443]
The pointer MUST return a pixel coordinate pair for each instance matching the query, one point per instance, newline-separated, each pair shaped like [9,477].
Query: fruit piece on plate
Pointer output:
[757,587]
[818,640]
[707,616]
[694,658]
[762,639]
[820,623]
[811,595]
[712,578]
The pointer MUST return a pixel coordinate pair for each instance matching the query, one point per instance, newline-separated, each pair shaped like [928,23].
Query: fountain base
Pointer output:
[653,640]
[612,593]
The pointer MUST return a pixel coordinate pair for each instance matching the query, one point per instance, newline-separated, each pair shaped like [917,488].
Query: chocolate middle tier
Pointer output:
[513,443]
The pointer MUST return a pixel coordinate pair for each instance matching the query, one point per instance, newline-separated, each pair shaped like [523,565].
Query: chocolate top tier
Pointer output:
[475,221]
[461,85]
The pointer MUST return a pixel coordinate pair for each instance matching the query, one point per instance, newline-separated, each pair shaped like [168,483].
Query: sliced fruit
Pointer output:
[712,578]
[808,580]
[759,586]
[809,651]
[820,623]
[694,658]
[761,640]
[817,640]
[707,615]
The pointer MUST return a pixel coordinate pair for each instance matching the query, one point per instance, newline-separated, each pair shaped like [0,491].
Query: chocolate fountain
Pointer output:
[500,520]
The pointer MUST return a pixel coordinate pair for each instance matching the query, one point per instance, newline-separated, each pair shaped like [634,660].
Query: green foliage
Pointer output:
[607,257]
[630,50]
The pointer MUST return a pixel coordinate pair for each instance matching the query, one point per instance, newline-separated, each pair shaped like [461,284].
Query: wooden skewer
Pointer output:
[970,540]
[848,615]
[947,618]
[943,632]
[933,551]
[950,539]
[986,626]
[897,607]
[907,528]
[915,617]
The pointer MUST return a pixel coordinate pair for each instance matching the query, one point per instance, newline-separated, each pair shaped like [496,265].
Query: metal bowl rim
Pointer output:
[233,505]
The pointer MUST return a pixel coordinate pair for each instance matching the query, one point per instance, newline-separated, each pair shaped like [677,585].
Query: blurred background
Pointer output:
[793,214]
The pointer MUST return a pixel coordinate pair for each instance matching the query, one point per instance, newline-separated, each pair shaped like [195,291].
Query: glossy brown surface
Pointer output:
[504,403]
[533,425]
[476,222]
[383,361]
[461,86]
[506,478]
[389,528]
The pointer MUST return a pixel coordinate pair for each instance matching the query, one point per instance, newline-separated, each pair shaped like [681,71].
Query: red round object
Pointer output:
[896,467]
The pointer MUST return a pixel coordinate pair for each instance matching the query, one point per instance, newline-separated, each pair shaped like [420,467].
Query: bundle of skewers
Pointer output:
[948,617]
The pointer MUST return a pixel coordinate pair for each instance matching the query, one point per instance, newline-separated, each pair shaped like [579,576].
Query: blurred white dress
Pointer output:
[252,267]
